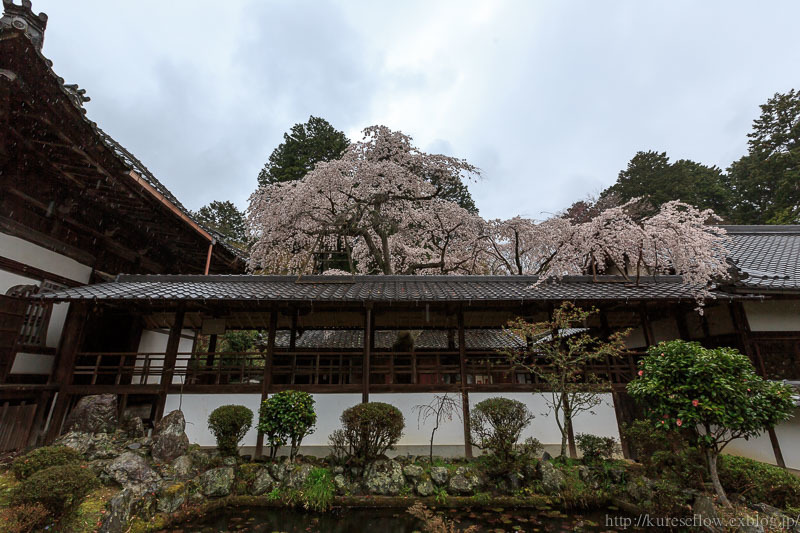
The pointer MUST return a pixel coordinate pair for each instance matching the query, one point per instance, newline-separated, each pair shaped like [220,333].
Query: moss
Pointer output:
[174,489]
[7,483]
[87,516]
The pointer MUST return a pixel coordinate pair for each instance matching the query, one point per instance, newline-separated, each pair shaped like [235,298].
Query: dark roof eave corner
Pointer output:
[22,18]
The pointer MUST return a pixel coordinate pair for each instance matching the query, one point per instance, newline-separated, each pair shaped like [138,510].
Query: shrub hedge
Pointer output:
[229,423]
[44,457]
[57,488]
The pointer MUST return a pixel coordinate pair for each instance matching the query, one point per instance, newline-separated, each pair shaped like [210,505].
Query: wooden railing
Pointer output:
[323,368]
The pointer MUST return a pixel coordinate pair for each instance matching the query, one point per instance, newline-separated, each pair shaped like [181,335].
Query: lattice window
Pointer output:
[37,316]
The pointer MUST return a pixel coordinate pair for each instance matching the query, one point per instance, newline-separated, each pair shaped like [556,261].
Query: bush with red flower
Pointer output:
[714,392]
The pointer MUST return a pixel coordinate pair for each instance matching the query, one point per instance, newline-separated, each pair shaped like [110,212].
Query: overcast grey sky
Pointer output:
[549,99]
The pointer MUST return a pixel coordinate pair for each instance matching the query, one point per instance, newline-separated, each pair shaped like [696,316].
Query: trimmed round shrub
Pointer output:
[596,448]
[229,424]
[57,488]
[287,417]
[368,431]
[497,425]
[44,457]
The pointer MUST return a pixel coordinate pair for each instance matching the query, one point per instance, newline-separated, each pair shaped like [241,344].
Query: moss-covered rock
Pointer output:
[217,481]
[440,475]
[171,497]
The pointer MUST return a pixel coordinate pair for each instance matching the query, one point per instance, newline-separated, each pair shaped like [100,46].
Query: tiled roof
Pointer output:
[486,339]
[376,288]
[769,255]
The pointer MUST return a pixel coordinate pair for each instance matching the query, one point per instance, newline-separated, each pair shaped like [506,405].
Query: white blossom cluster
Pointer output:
[383,204]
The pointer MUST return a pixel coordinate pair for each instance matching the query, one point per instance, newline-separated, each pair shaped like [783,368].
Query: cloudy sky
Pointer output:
[549,99]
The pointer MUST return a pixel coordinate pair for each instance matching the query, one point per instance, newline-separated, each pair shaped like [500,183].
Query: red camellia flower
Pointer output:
[662,421]
[695,403]
[641,372]
[679,422]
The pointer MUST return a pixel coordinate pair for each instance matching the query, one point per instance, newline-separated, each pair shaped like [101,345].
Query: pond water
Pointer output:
[269,520]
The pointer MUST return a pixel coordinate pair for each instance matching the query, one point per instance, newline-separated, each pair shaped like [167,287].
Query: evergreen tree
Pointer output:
[303,146]
[650,175]
[224,218]
[766,181]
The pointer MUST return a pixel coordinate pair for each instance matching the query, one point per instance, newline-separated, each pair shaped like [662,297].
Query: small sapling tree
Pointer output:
[443,408]
[559,355]
[287,417]
[715,392]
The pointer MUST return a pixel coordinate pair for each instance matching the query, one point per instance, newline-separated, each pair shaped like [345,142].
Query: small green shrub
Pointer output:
[57,488]
[24,518]
[368,431]
[319,490]
[44,457]
[759,482]
[497,424]
[229,424]
[440,495]
[596,448]
[287,417]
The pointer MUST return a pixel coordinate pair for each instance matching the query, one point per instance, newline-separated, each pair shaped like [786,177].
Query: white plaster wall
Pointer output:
[197,407]
[773,315]
[31,254]
[155,341]
[9,279]
[32,363]
[760,448]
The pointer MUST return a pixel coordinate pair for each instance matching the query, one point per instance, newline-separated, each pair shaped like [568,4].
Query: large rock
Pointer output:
[171,497]
[183,468]
[169,439]
[464,481]
[439,475]
[127,503]
[131,469]
[262,483]
[217,481]
[298,476]
[94,414]
[424,487]
[704,508]
[92,446]
[413,472]
[133,427]
[385,478]
[552,478]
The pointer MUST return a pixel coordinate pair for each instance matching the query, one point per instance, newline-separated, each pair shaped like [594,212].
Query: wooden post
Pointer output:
[170,357]
[742,327]
[365,365]
[266,381]
[462,359]
[646,326]
[64,363]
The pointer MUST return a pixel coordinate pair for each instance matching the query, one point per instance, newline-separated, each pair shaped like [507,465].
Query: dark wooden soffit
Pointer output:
[65,182]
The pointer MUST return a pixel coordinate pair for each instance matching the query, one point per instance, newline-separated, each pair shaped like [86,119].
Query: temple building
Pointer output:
[111,287]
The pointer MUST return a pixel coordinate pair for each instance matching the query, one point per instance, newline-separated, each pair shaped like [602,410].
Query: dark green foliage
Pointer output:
[759,482]
[368,431]
[57,488]
[319,490]
[24,518]
[497,424]
[229,424]
[286,418]
[715,392]
[302,148]
[596,448]
[670,455]
[766,181]
[404,342]
[44,457]
[651,176]
[224,218]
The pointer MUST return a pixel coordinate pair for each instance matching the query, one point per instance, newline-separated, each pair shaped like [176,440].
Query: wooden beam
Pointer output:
[462,360]
[365,365]
[9,265]
[170,356]
[647,328]
[742,326]
[61,375]
[266,381]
